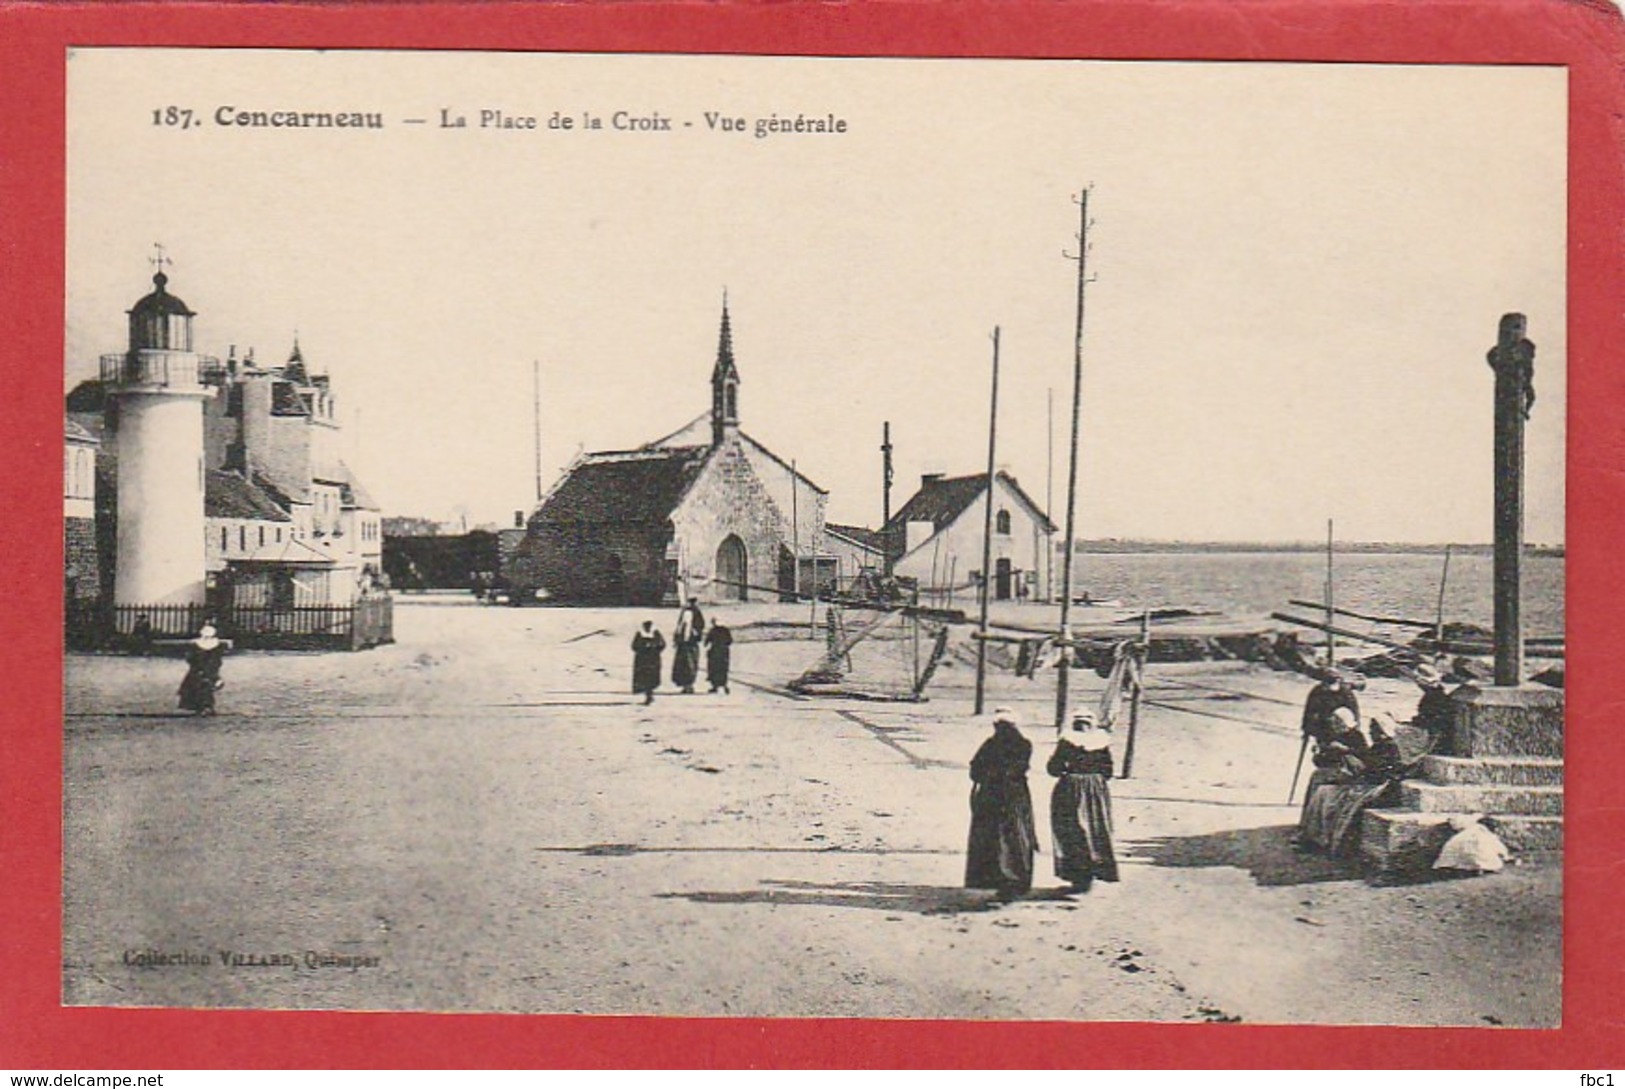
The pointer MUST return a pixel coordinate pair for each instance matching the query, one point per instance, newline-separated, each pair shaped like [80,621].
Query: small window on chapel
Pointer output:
[1001,523]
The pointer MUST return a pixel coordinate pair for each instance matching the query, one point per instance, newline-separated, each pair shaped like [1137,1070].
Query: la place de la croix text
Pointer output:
[773,124]
[509,121]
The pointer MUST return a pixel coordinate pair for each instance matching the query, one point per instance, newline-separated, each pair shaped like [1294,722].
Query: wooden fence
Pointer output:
[364,623]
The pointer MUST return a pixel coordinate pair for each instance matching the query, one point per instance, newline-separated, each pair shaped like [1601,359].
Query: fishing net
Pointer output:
[875,654]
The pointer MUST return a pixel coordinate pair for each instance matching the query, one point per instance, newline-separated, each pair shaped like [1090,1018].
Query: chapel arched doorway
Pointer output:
[732,568]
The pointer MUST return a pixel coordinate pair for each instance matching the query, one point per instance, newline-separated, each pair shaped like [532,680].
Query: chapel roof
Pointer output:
[698,432]
[636,487]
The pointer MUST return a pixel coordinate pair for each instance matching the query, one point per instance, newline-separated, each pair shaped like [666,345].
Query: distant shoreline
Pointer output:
[1128,545]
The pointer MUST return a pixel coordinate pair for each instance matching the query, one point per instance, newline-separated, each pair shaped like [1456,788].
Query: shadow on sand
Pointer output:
[868,895]
[1265,853]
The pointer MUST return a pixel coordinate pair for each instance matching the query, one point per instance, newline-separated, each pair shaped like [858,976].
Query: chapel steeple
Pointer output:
[724,384]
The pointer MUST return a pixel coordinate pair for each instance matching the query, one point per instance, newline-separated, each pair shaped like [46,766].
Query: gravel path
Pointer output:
[480,817]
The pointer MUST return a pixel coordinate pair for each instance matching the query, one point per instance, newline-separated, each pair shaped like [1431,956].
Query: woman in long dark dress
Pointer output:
[1002,836]
[685,638]
[1080,807]
[202,678]
[647,646]
[1353,774]
[719,642]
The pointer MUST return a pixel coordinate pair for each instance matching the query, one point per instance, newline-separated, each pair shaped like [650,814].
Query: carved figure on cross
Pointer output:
[1513,358]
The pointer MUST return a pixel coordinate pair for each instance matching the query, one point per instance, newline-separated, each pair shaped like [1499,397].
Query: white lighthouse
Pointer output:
[158,400]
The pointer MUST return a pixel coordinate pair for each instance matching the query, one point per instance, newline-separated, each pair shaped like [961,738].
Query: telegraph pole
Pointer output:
[885,495]
[1062,677]
[1049,494]
[536,420]
[1331,640]
[987,530]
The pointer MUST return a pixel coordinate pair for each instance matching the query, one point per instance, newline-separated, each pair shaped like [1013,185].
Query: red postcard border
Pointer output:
[35,1031]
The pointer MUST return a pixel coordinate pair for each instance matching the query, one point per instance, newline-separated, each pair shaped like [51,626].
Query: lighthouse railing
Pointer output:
[160,370]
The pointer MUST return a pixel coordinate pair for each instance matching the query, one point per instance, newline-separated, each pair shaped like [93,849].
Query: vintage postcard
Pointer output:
[784,537]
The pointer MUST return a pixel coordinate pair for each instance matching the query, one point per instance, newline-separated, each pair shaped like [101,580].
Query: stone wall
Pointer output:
[791,495]
[729,499]
[594,563]
[82,560]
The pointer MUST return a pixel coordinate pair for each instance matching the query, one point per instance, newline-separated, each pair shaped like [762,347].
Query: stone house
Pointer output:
[936,537]
[706,511]
[274,431]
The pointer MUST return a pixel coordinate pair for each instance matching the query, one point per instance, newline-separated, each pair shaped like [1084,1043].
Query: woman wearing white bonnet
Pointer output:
[1080,807]
[202,680]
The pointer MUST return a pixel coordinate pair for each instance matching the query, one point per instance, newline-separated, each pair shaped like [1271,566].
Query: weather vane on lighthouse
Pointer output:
[158,259]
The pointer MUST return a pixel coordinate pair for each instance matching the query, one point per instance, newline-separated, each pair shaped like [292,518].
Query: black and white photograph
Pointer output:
[743,536]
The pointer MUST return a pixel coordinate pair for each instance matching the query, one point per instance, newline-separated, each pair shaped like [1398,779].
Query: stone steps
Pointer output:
[1493,770]
[1523,801]
[1405,840]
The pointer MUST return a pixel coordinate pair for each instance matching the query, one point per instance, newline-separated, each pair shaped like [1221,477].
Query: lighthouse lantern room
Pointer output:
[159,396]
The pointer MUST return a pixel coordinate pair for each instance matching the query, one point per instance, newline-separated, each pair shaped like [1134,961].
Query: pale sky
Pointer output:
[1300,269]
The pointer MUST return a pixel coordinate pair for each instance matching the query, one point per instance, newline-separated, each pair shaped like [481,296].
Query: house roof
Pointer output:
[88,398]
[91,423]
[230,495]
[872,539]
[940,501]
[285,491]
[352,496]
[627,486]
[75,432]
[286,400]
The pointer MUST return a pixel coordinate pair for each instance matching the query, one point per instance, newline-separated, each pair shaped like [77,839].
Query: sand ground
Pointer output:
[486,819]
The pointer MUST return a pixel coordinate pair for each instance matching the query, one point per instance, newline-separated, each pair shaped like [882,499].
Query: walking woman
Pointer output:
[1080,807]
[647,646]
[202,680]
[685,639]
[1002,836]
[719,643]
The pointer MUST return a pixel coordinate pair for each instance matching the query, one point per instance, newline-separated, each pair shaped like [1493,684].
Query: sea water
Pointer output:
[1392,584]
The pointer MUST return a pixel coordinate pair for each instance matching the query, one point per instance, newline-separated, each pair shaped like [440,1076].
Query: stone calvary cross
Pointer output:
[1503,755]
[1513,360]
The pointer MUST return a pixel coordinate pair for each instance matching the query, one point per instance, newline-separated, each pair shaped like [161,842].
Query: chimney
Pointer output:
[518,519]
[930,478]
